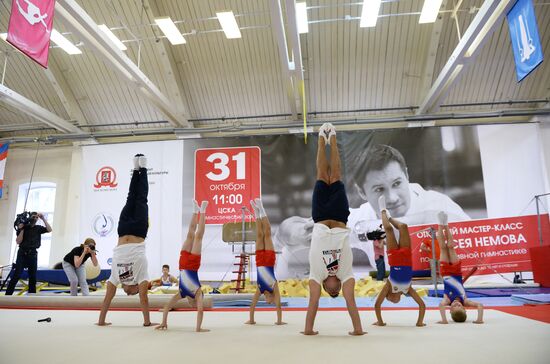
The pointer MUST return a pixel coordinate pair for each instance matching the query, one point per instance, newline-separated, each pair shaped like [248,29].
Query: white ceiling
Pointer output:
[347,69]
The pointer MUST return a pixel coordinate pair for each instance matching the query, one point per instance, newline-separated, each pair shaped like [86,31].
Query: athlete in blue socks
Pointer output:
[190,261]
[454,295]
[400,260]
[265,263]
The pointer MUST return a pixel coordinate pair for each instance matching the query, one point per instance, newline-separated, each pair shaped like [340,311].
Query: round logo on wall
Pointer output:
[103,224]
[105,177]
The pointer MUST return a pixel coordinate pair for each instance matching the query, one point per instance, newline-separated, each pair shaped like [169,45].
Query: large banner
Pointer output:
[30,27]
[419,171]
[106,177]
[228,178]
[424,180]
[491,245]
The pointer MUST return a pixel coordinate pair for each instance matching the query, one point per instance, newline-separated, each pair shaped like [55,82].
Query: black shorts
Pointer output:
[329,202]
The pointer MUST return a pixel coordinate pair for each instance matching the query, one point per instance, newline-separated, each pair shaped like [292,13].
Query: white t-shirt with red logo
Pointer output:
[330,254]
[129,264]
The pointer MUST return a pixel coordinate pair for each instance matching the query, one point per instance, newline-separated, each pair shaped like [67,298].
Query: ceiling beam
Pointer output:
[483,25]
[454,15]
[29,107]
[280,127]
[433,46]
[278,31]
[544,118]
[169,71]
[75,18]
[61,87]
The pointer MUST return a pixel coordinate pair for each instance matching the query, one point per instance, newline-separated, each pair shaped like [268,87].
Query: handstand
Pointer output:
[400,260]
[129,266]
[330,256]
[190,262]
[451,270]
[265,263]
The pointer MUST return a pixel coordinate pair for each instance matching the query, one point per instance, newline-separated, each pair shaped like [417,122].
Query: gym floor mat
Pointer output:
[532,298]
[533,312]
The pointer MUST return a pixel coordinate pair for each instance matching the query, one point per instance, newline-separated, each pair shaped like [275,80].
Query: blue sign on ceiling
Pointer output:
[525,39]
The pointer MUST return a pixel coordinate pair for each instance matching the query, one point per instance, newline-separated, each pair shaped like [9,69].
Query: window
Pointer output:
[41,199]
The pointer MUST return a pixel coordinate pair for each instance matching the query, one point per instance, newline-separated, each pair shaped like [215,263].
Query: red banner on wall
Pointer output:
[228,178]
[3,157]
[493,245]
[30,27]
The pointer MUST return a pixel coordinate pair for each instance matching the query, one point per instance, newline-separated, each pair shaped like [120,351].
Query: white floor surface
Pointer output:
[71,337]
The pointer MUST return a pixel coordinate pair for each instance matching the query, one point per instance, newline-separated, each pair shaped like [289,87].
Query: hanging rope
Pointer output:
[32,173]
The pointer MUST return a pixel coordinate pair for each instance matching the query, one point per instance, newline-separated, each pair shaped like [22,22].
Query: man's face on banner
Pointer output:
[393,183]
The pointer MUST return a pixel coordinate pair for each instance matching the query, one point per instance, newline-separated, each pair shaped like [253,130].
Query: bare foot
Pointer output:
[309,333]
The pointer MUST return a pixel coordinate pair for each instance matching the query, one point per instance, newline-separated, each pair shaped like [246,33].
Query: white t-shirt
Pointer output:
[330,254]
[129,264]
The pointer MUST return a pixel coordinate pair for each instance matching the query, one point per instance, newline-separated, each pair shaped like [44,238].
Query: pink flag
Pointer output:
[30,28]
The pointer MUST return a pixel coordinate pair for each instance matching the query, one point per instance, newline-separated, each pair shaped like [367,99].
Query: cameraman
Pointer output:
[28,239]
[378,243]
[73,265]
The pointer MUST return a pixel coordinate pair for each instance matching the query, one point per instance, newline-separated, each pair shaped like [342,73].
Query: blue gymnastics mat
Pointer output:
[532,298]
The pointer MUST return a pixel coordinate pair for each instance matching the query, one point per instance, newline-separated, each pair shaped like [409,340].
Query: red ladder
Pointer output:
[241,272]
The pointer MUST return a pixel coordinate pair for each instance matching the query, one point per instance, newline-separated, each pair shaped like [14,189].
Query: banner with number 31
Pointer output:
[228,178]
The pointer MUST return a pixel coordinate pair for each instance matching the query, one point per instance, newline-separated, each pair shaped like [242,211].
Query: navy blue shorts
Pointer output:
[134,217]
[329,202]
